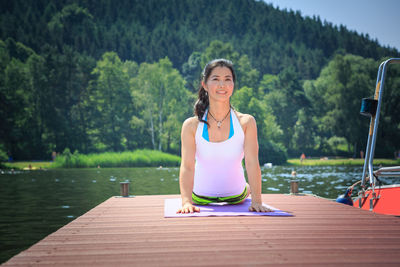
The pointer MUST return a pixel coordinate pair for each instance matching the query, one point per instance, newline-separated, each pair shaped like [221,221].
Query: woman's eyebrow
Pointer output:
[217,76]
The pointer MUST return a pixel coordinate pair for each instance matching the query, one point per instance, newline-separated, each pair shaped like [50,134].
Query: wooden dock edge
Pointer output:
[133,232]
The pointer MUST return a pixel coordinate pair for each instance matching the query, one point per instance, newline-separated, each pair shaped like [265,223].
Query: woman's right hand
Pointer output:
[188,208]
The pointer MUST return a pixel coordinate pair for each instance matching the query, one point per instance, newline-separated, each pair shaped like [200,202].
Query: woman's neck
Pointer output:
[219,109]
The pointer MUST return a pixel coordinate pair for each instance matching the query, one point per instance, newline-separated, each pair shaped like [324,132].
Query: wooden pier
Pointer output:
[134,232]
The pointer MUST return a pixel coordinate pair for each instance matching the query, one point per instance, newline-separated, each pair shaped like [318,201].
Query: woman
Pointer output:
[214,143]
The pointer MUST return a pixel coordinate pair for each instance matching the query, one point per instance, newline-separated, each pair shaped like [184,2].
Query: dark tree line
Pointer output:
[145,31]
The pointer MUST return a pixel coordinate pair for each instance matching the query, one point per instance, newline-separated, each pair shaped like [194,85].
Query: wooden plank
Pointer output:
[133,232]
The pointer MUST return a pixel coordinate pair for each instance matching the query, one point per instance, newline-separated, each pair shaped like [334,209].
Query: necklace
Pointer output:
[219,123]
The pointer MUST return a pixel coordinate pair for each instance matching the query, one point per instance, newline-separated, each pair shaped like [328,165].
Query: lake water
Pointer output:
[34,204]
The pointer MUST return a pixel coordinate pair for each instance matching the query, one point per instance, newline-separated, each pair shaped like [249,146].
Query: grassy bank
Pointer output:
[342,161]
[150,158]
[34,165]
[138,158]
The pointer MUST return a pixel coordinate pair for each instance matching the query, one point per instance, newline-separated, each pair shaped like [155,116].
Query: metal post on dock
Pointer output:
[124,189]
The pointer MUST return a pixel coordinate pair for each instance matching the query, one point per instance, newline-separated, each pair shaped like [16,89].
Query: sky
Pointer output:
[379,18]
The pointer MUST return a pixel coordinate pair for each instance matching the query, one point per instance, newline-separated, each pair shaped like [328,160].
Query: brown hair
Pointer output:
[202,102]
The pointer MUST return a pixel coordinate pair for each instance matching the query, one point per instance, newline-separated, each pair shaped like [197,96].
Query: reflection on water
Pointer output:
[324,181]
[34,204]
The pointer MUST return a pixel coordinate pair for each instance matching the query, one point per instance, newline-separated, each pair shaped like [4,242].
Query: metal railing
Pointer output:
[373,130]
[388,171]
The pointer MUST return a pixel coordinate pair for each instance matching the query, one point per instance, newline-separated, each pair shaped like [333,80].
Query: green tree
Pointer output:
[68,75]
[389,134]
[191,71]
[248,76]
[303,139]
[219,49]
[285,97]
[269,132]
[73,26]
[336,97]
[38,82]
[20,82]
[110,102]
[166,102]
[15,95]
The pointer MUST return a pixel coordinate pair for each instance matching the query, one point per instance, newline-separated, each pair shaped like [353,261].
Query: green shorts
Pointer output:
[203,200]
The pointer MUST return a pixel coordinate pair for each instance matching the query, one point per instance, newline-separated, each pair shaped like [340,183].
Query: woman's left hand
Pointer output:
[259,207]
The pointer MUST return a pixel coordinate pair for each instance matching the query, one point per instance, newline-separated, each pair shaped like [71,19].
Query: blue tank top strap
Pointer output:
[231,130]
[205,128]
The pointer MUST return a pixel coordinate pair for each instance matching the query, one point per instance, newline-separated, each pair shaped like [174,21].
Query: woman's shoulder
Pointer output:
[245,119]
[190,124]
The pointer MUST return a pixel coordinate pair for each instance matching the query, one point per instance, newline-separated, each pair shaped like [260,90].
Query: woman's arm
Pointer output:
[186,174]
[252,164]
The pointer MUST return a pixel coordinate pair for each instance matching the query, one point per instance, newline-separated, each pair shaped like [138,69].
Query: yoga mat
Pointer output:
[173,204]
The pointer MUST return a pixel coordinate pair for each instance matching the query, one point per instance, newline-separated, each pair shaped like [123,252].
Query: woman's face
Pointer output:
[219,84]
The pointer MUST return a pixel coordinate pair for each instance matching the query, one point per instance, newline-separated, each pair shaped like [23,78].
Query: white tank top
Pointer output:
[218,169]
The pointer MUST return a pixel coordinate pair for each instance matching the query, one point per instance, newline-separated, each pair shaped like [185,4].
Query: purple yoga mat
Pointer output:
[173,204]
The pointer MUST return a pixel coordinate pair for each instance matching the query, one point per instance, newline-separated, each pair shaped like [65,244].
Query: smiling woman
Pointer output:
[220,84]
[214,143]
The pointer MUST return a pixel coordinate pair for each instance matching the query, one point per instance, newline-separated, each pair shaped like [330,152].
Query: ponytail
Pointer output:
[201,104]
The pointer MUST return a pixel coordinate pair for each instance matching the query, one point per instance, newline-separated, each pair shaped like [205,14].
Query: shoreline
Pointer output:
[341,162]
[24,165]
[42,165]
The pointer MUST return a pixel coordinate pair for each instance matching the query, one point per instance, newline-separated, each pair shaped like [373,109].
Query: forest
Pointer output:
[112,76]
